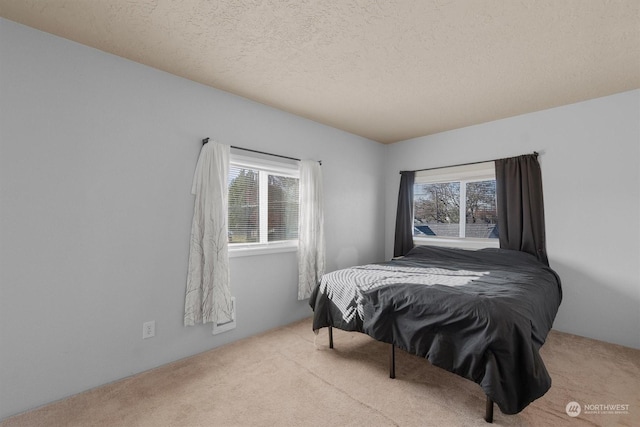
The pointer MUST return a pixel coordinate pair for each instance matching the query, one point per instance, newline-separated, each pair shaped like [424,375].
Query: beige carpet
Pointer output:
[281,378]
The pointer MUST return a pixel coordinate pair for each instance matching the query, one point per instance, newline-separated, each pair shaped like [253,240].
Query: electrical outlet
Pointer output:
[148,329]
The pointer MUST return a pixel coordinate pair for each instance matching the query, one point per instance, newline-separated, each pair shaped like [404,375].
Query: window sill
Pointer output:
[261,249]
[452,242]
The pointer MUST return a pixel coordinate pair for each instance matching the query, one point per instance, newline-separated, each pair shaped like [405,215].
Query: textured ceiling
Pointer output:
[387,70]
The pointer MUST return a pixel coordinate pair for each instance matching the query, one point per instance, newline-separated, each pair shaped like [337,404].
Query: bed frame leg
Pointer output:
[330,337]
[392,362]
[488,415]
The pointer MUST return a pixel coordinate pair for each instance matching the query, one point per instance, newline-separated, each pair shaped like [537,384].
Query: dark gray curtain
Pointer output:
[520,205]
[404,216]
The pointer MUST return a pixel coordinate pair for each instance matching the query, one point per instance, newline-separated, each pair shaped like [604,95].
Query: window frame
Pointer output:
[463,174]
[264,166]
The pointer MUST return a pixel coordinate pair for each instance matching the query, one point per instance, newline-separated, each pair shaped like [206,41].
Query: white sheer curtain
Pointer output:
[208,297]
[311,251]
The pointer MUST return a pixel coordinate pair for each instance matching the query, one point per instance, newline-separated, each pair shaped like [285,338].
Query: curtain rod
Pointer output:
[535,153]
[205,140]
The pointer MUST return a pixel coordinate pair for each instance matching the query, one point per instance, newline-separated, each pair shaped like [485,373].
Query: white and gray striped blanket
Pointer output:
[346,287]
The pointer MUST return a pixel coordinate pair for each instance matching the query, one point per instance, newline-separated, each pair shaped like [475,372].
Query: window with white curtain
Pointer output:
[263,205]
[456,206]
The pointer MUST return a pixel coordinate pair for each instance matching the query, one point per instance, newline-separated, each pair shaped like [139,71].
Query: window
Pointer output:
[263,204]
[456,206]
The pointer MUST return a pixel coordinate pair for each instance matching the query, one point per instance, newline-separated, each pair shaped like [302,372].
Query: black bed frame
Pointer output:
[488,413]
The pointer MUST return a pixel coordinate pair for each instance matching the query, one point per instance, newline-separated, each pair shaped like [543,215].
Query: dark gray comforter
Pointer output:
[480,314]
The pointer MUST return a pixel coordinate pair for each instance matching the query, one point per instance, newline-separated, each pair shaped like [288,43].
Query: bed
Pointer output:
[480,314]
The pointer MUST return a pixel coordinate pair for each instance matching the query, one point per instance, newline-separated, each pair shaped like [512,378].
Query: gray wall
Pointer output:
[97,155]
[590,157]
